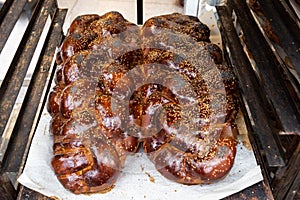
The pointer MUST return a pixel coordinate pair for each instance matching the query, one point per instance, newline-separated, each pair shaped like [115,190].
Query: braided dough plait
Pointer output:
[162,86]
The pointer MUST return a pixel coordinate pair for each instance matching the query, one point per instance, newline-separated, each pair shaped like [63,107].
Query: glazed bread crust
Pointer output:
[162,85]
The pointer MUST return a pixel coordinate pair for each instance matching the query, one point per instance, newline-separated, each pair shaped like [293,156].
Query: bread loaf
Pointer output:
[162,86]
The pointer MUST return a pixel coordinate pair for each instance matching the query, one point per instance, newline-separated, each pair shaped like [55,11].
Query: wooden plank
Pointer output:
[9,15]
[271,79]
[258,119]
[4,9]
[287,179]
[34,102]
[28,194]
[283,27]
[16,73]
[7,191]
[294,190]
[281,33]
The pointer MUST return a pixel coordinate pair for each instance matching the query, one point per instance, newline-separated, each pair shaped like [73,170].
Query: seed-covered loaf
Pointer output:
[162,86]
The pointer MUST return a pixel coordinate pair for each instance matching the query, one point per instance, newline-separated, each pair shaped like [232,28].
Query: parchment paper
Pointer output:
[139,179]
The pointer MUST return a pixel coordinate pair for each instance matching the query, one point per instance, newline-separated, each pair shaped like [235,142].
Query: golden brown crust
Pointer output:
[162,86]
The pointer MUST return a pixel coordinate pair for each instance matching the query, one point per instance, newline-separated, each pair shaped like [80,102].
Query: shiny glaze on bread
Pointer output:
[162,86]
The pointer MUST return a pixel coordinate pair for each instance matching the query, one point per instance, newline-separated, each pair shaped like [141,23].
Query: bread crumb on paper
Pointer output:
[150,177]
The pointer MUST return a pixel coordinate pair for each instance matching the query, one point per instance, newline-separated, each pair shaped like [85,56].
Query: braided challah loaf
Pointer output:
[162,86]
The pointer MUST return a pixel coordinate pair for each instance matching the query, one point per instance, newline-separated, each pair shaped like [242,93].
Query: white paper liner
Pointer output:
[138,180]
